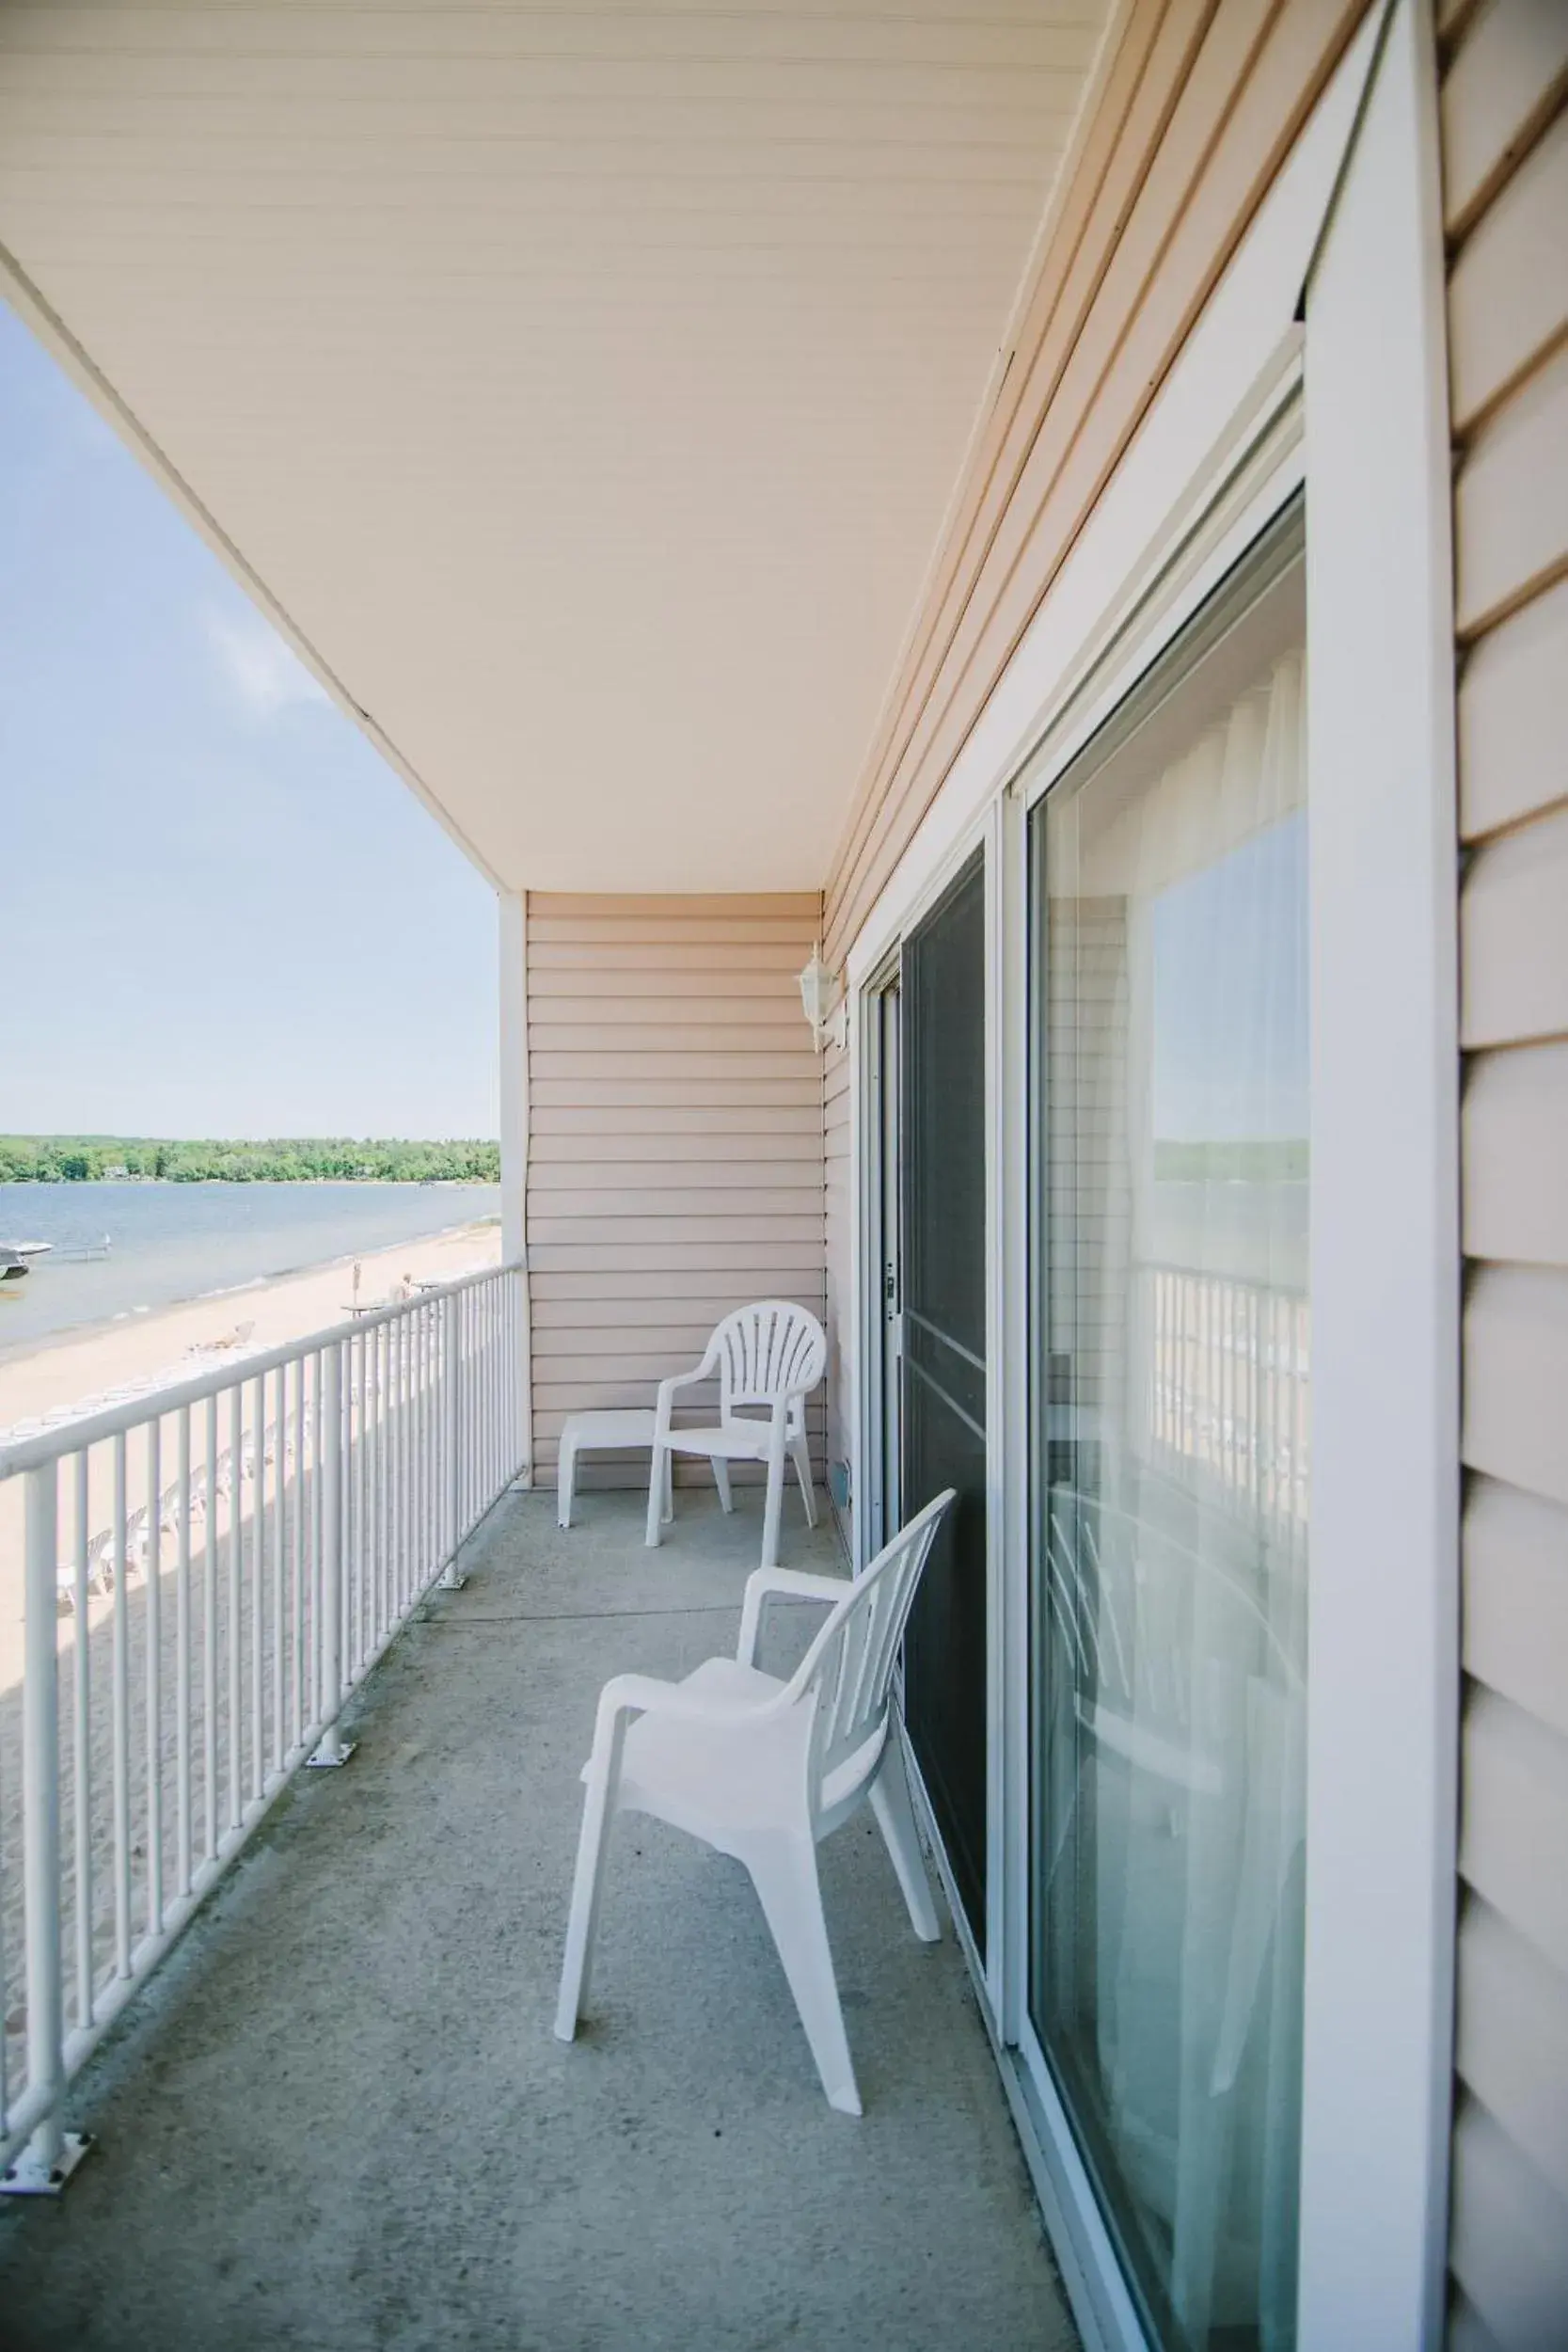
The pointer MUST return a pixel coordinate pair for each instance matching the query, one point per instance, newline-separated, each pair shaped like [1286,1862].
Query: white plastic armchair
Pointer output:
[765,1769]
[773,1354]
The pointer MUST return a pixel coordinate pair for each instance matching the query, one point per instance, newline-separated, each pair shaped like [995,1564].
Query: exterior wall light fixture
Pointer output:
[824,1003]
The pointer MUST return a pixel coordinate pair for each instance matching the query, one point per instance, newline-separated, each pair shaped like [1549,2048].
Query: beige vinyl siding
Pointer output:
[676,1144]
[1505,156]
[1198,108]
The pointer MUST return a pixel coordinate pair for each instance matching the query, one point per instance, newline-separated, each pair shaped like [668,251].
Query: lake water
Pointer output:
[174,1242]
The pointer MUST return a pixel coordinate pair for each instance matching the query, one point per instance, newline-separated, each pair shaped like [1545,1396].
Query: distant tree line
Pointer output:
[286,1160]
[1238,1160]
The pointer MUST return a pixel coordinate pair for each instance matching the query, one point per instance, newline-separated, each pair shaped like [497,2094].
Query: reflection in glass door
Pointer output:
[1169,1393]
[943,1145]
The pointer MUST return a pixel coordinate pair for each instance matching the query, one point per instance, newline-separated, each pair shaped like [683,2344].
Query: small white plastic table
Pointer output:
[595,1433]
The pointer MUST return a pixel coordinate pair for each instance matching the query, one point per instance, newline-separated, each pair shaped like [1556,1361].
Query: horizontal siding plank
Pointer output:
[668,1065]
[768,1266]
[1514,1820]
[716,1083]
[720,1288]
[551,959]
[1513,936]
[1511,2047]
[551,932]
[764,1040]
[1513,718]
[672,1346]
[614,1359]
[758,1205]
[1511,501]
[555,1159]
[568,1088]
[1516,1378]
[703,1124]
[1500,91]
[585,1317]
[1509,2248]
[667,1231]
[658,995]
[803,909]
[1507,293]
[1515,1155]
[1515,1613]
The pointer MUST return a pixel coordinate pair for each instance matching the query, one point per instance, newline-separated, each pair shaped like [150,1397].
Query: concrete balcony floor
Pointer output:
[338,2118]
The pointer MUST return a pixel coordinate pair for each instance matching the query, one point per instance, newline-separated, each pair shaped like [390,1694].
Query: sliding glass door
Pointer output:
[1170,1354]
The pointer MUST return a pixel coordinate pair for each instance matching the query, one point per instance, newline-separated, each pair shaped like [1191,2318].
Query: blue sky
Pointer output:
[220,913]
[1231,1041]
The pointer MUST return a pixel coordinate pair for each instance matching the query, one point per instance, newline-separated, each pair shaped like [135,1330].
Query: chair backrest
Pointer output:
[768,1350]
[849,1668]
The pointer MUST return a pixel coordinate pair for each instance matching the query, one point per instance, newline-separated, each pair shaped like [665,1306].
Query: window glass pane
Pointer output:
[1171,1357]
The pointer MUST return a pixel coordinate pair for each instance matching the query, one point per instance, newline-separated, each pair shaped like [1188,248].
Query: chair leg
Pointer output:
[783,1871]
[773,1504]
[658,1486]
[588,1885]
[721,1480]
[890,1803]
[800,1453]
[566,1480]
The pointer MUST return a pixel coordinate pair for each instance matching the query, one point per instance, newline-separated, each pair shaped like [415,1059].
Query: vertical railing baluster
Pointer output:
[332,1749]
[279,1541]
[296,1559]
[452,1417]
[119,1729]
[318,1528]
[81,1759]
[41,1820]
[210,1638]
[236,1579]
[182,1654]
[258,1587]
[154,1682]
[405,1443]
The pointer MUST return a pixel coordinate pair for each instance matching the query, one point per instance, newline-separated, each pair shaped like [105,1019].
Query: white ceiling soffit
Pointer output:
[585,385]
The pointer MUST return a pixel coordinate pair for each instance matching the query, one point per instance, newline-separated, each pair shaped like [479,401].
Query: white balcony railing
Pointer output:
[189,1641]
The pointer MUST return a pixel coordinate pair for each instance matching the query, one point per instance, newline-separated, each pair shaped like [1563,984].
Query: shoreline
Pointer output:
[139,1318]
[69,1371]
[66,1368]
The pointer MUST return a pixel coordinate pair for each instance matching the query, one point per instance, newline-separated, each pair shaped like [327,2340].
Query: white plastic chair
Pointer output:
[772,1354]
[765,1769]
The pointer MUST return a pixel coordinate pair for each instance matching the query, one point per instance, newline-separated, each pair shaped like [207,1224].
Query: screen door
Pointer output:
[943,1362]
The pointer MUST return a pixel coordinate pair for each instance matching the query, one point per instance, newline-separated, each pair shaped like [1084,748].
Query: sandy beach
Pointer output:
[82,1366]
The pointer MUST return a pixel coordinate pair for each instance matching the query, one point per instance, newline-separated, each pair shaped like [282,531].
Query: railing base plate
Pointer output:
[327,1760]
[450,1580]
[27,2177]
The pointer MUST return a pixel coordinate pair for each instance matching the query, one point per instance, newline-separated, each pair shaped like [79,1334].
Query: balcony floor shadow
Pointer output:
[339,2117]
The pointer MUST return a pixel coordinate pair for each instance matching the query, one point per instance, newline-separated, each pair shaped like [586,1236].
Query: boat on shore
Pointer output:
[16,1258]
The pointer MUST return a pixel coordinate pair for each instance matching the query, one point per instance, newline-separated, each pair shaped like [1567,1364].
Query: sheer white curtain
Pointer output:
[1175,1126]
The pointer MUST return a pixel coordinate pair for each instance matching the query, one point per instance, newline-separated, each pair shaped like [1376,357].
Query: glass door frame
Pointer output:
[1381,1757]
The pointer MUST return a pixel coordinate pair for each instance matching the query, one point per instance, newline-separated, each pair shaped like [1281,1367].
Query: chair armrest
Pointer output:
[793,1583]
[679,1380]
